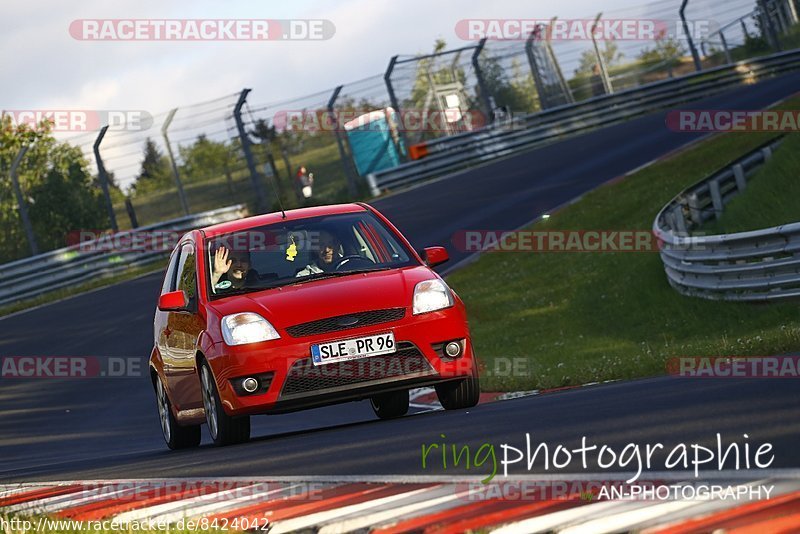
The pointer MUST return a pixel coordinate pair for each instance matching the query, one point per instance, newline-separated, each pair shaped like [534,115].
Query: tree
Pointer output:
[155,172]
[205,159]
[610,53]
[264,131]
[65,199]
[666,50]
[515,89]
[59,192]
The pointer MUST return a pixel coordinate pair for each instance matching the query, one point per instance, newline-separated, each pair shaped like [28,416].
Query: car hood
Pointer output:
[318,299]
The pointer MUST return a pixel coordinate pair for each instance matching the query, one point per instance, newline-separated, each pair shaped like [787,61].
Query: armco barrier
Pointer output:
[457,152]
[77,264]
[760,265]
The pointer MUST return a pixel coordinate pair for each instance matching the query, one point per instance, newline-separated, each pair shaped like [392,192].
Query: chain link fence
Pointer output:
[318,148]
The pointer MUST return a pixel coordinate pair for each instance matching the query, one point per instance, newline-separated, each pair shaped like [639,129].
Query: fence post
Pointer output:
[716,198]
[767,28]
[485,96]
[780,14]
[387,78]
[103,175]
[131,212]
[258,188]
[352,189]
[744,28]
[792,9]
[564,86]
[178,184]
[23,209]
[601,61]
[728,58]
[537,76]
[695,56]
[738,173]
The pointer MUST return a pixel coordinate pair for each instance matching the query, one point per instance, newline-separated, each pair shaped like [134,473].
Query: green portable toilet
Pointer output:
[374,141]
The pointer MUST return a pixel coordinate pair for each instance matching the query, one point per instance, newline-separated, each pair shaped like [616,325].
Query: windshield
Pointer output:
[300,251]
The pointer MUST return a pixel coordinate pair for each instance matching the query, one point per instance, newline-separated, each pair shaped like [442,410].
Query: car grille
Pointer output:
[304,377]
[345,322]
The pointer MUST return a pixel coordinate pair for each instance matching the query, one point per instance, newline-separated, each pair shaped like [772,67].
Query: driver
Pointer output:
[326,256]
[231,269]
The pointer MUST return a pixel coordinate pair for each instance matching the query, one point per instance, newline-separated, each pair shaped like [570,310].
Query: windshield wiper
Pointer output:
[332,274]
[360,271]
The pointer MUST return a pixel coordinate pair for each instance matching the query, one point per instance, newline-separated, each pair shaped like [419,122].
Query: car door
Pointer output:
[181,334]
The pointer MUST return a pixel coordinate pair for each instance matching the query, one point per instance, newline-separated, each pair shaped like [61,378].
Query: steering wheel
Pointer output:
[352,259]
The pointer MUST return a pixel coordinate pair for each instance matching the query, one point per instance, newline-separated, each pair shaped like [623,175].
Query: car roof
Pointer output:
[271,218]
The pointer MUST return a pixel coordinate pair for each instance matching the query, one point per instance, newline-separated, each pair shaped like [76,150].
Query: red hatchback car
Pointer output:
[287,311]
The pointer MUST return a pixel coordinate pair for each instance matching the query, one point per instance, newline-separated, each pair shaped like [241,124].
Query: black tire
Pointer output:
[391,404]
[176,436]
[459,394]
[224,429]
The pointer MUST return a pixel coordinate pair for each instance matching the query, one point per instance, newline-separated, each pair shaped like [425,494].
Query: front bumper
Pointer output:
[297,384]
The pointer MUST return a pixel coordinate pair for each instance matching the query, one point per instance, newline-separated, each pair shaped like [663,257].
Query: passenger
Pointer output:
[231,269]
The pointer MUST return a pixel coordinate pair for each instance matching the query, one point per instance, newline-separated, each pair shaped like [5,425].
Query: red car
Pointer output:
[311,307]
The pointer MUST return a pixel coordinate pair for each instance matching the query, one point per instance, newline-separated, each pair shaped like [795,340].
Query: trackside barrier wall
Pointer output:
[760,265]
[78,264]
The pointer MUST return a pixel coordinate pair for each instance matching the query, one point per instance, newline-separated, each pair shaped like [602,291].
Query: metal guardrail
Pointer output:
[77,264]
[457,152]
[759,265]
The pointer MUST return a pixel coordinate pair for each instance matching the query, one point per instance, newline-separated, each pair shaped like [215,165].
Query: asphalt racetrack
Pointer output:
[108,428]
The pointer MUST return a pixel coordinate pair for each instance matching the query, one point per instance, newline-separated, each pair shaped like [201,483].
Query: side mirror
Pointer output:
[173,301]
[434,256]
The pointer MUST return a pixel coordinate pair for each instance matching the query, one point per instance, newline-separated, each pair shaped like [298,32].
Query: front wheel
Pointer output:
[224,429]
[176,436]
[390,405]
[459,394]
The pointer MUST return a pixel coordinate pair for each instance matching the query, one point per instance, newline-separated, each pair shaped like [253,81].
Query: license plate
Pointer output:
[352,349]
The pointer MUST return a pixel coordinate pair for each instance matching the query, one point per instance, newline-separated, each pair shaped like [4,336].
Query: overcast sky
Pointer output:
[44,67]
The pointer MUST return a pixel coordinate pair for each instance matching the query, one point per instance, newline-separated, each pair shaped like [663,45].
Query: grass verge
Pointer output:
[771,195]
[573,318]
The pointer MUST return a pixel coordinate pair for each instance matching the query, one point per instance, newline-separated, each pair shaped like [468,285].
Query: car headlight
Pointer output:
[244,328]
[431,295]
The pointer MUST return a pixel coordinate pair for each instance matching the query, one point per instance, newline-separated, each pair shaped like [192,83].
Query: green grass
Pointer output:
[582,317]
[771,196]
